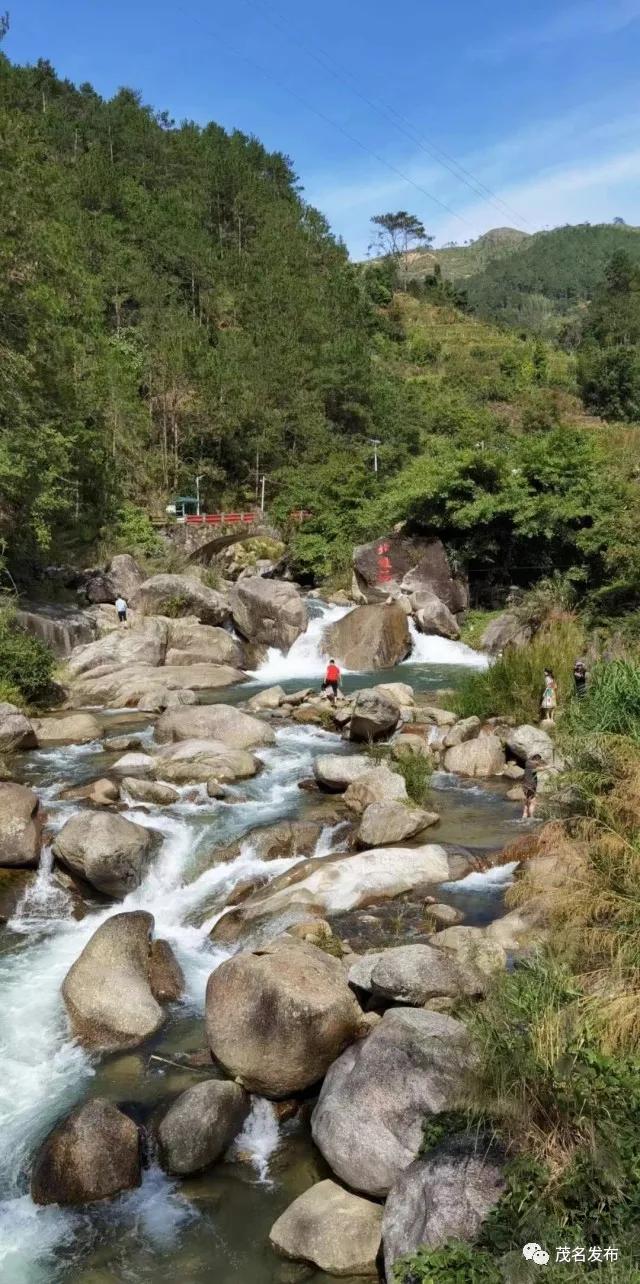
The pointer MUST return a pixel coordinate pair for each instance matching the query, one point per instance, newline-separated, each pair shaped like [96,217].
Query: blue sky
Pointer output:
[537,102]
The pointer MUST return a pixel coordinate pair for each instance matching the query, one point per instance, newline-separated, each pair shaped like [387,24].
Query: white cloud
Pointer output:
[572,22]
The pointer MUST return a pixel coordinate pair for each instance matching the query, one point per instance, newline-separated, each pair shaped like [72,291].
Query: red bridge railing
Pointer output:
[234,519]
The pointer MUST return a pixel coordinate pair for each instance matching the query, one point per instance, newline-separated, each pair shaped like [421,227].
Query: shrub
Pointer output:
[135,533]
[513,685]
[416,772]
[451,1264]
[26,664]
[176,606]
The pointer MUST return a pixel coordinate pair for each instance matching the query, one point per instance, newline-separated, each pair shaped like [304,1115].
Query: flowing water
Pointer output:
[216,1225]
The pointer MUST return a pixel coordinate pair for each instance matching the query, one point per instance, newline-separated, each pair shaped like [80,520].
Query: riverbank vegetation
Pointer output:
[559,1037]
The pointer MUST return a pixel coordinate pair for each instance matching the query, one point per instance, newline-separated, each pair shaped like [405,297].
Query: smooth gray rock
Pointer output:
[335,1230]
[369,1117]
[384,824]
[373,715]
[432,616]
[107,850]
[369,637]
[181,595]
[481,758]
[16,730]
[268,612]
[20,826]
[220,722]
[93,1154]
[107,992]
[466,729]
[200,1125]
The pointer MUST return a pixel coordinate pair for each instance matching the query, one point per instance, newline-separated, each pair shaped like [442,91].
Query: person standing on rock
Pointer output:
[530,785]
[549,696]
[121,608]
[332,680]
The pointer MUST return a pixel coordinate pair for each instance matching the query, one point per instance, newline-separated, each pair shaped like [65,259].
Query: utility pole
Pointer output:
[198,480]
[262,493]
[375,442]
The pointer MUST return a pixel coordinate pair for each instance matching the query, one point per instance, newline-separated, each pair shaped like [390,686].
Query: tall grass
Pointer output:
[612,703]
[513,685]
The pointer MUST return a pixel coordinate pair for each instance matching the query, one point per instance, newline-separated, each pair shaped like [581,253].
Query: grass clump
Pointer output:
[475,624]
[26,664]
[513,685]
[612,703]
[415,769]
[451,1264]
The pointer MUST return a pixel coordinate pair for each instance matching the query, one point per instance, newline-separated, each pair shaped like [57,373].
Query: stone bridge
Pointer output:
[201,542]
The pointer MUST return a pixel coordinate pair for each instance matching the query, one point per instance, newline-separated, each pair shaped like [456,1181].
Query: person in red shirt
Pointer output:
[332,680]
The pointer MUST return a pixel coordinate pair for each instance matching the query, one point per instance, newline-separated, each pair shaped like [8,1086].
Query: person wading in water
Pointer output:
[332,680]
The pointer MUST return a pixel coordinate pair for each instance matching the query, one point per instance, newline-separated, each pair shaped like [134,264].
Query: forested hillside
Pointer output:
[169,306]
[544,283]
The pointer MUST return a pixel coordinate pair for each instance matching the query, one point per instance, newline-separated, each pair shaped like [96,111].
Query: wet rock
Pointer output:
[378,785]
[433,617]
[268,612]
[400,692]
[370,1113]
[384,824]
[107,992]
[100,793]
[373,715]
[277,1018]
[200,1125]
[16,731]
[337,1231]
[466,729]
[150,791]
[110,852]
[272,698]
[446,1196]
[68,729]
[134,764]
[285,839]
[335,772]
[13,885]
[193,761]
[122,744]
[181,595]
[440,916]
[20,826]
[166,977]
[221,722]
[369,637]
[482,758]
[93,1154]
[525,741]
[122,687]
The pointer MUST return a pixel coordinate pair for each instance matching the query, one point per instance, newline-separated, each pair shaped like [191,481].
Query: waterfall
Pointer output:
[305,659]
[426,648]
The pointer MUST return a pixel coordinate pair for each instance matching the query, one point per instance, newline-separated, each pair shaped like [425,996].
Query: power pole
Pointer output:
[375,442]
[262,493]
[198,480]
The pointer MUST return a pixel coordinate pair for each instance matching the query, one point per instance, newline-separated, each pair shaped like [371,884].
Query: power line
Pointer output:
[401,123]
[322,116]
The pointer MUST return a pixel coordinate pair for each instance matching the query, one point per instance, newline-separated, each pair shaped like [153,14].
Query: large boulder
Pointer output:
[220,722]
[482,757]
[268,612]
[506,630]
[124,687]
[107,992]
[68,729]
[277,1018]
[408,974]
[478,956]
[371,1109]
[16,731]
[373,715]
[20,826]
[335,885]
[193,643]
[526,741]
[283,840]
[177,595]
[166,978]
[93,1154]
[121,578]
[201,1125]
[377,785]
[394,564]
[61,628]
[384,824]
[369,637]
[196,761]
[111,853]
[154,792]
[446,1196]
[144,644]
[432,616]
[337,1231]
[336,771]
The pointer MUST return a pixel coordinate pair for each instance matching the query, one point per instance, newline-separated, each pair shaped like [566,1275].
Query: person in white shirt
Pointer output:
[121,608]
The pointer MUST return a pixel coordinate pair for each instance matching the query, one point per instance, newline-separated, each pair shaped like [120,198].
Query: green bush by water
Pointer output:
[612,703]
[26,664]
[513,685]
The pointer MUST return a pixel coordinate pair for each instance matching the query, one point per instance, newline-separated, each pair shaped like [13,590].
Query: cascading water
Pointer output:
[305,659]
[426,648]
